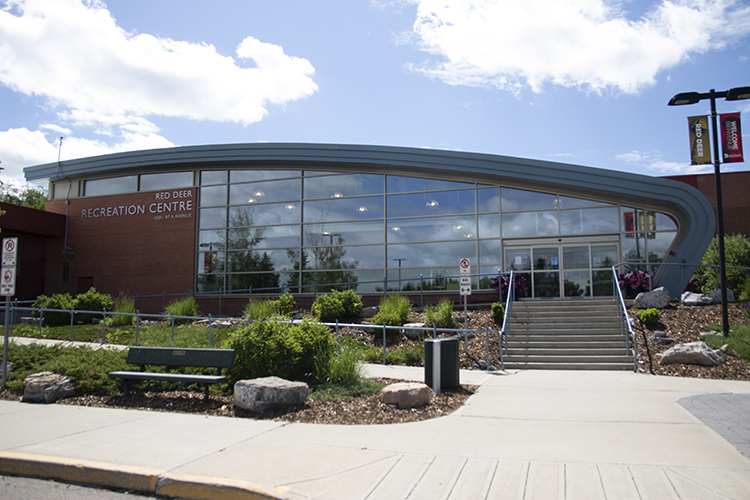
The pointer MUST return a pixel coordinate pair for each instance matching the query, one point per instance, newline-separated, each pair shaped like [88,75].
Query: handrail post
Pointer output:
[104,322]
[71,324]
[171,314]
[209,330]
[137,325]
[421,290]
[385,361]
[41,320]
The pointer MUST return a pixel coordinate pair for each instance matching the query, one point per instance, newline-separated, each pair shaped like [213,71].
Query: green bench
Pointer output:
[174,358]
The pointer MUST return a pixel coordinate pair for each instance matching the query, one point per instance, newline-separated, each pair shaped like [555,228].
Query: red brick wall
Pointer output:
[126,244]
[735,192]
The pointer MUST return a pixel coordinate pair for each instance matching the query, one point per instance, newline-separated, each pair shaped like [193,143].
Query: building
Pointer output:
[223,219]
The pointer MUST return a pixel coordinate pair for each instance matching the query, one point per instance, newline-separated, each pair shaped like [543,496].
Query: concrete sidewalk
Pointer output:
[523,435]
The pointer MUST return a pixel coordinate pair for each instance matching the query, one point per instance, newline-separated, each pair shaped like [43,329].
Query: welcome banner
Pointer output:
[731,138]
[700,147]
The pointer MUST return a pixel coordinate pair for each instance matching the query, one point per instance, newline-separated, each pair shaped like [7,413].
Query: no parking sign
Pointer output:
[465,274]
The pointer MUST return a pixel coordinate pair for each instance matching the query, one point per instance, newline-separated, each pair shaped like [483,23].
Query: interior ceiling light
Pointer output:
[259,194]
[290,206]
[432,203]
[362,209]
[395,228]
[468,235]
[251,200]
[337,195]
[458,226]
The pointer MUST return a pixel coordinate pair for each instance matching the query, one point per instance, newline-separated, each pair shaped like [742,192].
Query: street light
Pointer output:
[330,235]
[735,94]
[399,272]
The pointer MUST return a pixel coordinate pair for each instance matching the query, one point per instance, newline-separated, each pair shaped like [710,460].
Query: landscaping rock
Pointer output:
[695,299]
[660,340]
[655,299]
[715,296]
[415,334]
[368,312]
[406,395]
[47,387]
[263,394]
[482,364]
[694,353]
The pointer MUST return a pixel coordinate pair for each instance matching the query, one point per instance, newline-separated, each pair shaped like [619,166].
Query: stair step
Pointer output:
[569,366]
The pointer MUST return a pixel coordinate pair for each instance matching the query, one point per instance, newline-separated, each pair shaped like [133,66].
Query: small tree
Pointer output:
[28,196]
[737,254]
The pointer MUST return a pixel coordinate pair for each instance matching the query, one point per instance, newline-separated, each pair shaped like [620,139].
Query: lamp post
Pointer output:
[399,272]
[735,94]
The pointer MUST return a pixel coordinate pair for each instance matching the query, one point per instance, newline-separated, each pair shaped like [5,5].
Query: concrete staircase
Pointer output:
[566,335]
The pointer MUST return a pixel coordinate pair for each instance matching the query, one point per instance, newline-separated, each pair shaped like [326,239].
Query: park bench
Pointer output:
[174,358]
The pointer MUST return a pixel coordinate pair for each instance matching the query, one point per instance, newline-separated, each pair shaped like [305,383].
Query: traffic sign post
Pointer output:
[8,288]
[464,266]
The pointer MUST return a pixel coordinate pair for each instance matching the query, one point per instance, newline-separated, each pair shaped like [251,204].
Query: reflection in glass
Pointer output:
[590,220]
[576,284]
[211,282]
[658,246]
[343,209]
[665,222]
[215,238]
[210,261]
[431,254]
[264,192]
[115,185]
[260,175]
[489,225]
[263,282]
[488,200]
[431,229]
[603,256]
[603,285]
[397,184]
[338,186]
[264,215]
[440,203]
[546,284]
[518,199]
[490,253]
[546,258]
[213,177]
[576,257]
[570,202]
[214,195]
[212,217]
[355,233]
[529,224]
[633,246]
[169,180]
[518,259]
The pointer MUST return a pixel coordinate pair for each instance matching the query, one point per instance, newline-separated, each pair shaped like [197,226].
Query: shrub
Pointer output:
[649,317]
[737,254]
[393,311]
[259,309]
[61,301]
[337,305]
[285,305]
[268,348]
[346,362]
[441,315]
[92,301]
[182,307]
[122,305]
[498,312]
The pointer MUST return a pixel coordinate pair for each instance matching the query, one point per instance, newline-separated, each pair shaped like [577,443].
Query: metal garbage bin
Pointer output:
[441,363]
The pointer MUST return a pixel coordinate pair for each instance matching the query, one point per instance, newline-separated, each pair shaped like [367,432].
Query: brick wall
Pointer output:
[125,244]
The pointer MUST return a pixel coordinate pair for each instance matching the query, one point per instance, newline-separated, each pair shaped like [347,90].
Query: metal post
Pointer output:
[171,314]
[104,322]
[487,331]
[385,362]
[71,324]
[5,342]
[41,320]
[209,330]
[137,326]
[421,291]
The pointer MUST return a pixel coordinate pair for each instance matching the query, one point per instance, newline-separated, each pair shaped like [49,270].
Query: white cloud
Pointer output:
[590,44]
[653,163]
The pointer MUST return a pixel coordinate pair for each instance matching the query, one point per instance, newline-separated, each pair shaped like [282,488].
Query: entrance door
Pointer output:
[562,270]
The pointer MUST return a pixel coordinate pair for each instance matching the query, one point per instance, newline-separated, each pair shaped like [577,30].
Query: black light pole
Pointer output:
[735,94]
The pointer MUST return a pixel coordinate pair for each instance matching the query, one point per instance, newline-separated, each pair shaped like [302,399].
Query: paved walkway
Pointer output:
[523,435]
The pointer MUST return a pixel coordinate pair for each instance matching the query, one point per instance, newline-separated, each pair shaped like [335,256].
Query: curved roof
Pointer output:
[688,205]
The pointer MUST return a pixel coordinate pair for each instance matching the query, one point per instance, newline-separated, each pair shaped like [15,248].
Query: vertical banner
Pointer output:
[700,147]
[731,138]
[629,220]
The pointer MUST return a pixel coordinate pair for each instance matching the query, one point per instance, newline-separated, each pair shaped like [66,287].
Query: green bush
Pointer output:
[737,253]
[337,305]
[58,301]
[259,309]
[649,317]
[122,305]
[91,301]
[182,307]
[498,312]
[285,304]
[440,315]
[393,311]
[268,348]
[346,363]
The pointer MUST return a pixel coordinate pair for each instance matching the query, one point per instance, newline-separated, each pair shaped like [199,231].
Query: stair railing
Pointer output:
[622,311]
[505,330]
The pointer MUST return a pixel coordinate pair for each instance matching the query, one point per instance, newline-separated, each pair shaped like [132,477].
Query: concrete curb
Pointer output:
[143,479]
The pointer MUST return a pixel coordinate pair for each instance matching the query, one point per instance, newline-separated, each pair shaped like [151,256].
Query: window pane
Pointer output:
[633,247]
[352,233]
[345,257]
[210,196]
[431,254]
[338,186]
[213,177]
[210,262]
[602,283]
[264,215]
[658,245]
[489,226]
[664,222]
[576,257]
[256,261]
[603,256]
[396,184]
[115,185]
[260,175]
[431,229]
[588,221]
[530,224]
[170,180]
[576,284]
[212,217]
[569,202]
[244,237]
[213,239]
[258,281]
[342,209]
[210,282]
[267,237]
[547,284]
[490,253]
[489,200]
[518,259]
[440,203]
[546,258]
[517,199]
[263,192]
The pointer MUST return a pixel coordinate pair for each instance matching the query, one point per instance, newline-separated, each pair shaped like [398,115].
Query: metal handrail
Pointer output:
[622,311]
[505,330]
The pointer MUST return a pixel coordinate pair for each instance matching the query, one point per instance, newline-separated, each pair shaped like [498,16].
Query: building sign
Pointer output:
[731,138]
[166,205]
[700,147]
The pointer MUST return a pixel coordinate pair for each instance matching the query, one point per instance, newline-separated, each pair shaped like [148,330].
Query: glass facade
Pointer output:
[306,230]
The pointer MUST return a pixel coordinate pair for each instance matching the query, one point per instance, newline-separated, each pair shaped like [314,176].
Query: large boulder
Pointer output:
[655,299]
[715,296]
[695,299]
[694,353]
[266,393]
[47,387]
[406,395]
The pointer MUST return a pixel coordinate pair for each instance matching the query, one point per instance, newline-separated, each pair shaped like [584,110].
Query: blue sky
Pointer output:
[582,81]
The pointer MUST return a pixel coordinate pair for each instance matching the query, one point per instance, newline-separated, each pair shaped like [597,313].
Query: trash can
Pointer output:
[446,373]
